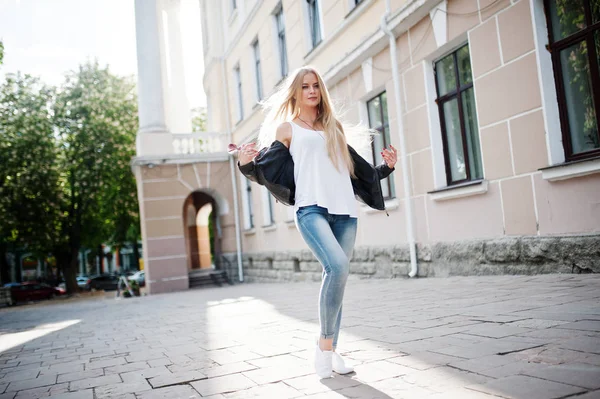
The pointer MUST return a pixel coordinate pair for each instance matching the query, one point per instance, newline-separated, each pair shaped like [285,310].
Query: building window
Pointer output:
[247,203]
[238,88]
[458,117]
[283,63]
[378,120]
[315,22]
[267,201]
[574,35]
[257,73]
[233,5]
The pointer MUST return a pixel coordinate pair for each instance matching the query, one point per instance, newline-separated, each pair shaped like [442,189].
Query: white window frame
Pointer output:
[387,184]
[237,78]
[432,63]
[556,151]
[257,70]
[433,115]
[247,208]
[268,207]
[308,25]
[278,51]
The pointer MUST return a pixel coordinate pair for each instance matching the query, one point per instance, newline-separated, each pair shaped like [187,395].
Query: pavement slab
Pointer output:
[460,337]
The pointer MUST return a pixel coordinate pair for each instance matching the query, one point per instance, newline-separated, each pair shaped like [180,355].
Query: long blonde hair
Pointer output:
[283,106]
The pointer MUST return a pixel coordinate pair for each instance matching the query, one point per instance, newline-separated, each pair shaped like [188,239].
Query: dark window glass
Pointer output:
[460,132]
[238,84]
[257,72]
[567,17]
[574,47]
[283,64]
[315,22]
[378,120]
[250,209]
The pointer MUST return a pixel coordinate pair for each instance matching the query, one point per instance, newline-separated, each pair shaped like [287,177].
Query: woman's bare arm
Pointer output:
[284,134]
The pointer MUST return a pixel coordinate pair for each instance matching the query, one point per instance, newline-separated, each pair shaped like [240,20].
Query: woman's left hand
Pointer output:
[390,156]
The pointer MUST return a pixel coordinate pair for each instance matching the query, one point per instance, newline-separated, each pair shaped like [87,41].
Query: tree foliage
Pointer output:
[96,120]
[199,119]
[67,181]
[29,188]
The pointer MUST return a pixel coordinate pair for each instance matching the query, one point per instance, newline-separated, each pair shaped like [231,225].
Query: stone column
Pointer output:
[177,108]
[153,137]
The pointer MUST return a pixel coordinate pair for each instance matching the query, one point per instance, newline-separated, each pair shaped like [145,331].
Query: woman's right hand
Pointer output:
[247,153]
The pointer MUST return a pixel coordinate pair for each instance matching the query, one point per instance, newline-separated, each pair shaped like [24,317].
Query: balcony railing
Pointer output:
[199,143]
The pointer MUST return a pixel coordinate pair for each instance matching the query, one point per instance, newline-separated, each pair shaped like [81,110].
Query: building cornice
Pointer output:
[399,22]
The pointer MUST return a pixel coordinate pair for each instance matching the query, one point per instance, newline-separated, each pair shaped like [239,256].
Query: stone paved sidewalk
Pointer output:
[461,337]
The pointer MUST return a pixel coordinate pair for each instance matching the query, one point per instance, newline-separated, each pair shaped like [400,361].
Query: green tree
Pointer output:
[199,119]
[28,177]
[1,52]
[96,118]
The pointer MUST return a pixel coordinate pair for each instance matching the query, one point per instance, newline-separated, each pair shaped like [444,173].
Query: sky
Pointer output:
[47,38]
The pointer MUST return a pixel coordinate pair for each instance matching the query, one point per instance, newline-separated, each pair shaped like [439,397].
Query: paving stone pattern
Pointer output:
[488,337]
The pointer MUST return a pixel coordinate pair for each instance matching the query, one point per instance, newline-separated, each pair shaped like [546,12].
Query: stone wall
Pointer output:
[519,255]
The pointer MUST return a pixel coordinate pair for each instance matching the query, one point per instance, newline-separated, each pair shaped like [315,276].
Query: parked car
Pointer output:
[83,282]
[106,282]
[8,285]
[33,291]
[140,277]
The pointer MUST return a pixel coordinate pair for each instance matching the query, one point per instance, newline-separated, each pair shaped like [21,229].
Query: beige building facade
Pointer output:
[499,136]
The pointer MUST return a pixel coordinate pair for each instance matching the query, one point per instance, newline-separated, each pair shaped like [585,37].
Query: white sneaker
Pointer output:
[323,362]
[339,365]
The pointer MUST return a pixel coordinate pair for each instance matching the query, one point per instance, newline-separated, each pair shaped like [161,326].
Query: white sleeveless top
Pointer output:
[318,182]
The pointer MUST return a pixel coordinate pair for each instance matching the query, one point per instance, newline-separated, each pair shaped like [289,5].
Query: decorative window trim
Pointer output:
[237,75]
[462,190]
[267,207]
[556,152]
[270,227]
[571,170]
[433,115]
[278,51]
[352,6]
[246,204]
[555,48]
[390,181]
[458,94]
[258,84]
[308,36]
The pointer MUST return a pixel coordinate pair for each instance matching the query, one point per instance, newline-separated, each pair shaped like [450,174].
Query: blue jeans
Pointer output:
[331,239]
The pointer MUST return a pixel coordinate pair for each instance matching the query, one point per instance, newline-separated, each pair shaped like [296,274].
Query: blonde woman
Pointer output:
[306,162]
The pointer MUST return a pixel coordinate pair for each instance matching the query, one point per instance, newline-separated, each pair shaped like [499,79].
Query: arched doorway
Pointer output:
[202,232]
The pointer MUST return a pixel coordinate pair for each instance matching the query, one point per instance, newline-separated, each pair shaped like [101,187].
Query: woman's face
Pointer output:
[311,92]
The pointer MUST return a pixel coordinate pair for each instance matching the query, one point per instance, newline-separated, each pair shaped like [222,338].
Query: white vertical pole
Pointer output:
[410,231]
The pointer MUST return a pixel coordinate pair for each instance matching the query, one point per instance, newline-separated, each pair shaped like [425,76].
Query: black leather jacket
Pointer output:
[273,168]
